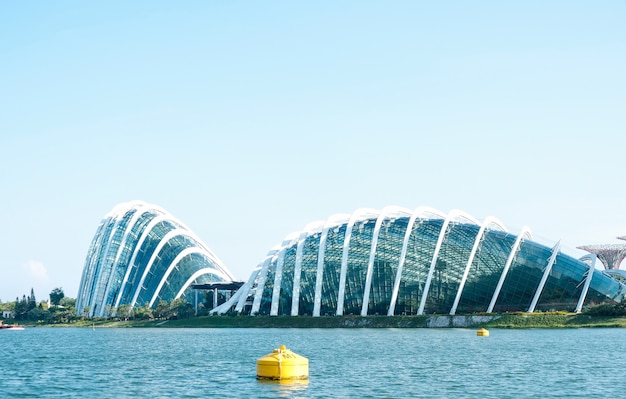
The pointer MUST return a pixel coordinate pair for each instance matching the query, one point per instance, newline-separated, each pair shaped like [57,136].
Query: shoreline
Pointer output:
[504,321]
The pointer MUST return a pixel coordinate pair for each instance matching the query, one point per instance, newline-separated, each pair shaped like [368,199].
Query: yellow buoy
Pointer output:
[482,332]
[282,364]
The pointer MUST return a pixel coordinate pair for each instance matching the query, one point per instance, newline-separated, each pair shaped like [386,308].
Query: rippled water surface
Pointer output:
[344,363]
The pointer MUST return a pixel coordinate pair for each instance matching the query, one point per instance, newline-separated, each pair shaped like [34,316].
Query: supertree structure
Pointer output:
[611,255]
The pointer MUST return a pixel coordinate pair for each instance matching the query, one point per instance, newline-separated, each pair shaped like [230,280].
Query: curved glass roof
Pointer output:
[141,254]
[398,261]
[390,262]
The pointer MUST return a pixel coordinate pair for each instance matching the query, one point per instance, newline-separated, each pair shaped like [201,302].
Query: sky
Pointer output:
[249,120]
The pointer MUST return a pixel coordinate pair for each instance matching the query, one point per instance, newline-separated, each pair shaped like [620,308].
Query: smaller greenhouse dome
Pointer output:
[140,255]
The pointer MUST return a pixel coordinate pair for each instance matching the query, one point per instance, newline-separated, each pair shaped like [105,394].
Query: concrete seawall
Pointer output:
[408,321]
[458,321]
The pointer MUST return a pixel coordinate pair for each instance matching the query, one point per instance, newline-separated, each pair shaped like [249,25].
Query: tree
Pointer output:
[10,306]
[143,312]
[162,310]
[123,312]
[63,315]
[38,314]
[21,308]
[180,308]
[68,302]
[32,302]
[187,311]
[56,295]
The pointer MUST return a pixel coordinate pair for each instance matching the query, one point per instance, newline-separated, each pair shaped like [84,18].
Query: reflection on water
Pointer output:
[343,363]
[286,388]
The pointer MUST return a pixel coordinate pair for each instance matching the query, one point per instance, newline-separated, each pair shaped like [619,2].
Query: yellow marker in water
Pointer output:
[282,364]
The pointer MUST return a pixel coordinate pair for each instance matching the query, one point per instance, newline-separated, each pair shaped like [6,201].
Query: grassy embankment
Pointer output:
[555,320]
[517,320]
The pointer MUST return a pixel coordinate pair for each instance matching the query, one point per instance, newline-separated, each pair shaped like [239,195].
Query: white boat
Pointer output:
[15,326]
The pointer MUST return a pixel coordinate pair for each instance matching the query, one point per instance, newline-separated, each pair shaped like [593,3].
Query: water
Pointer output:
[344,363]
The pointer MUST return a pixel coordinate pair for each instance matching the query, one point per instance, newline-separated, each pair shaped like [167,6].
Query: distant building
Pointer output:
[7,314]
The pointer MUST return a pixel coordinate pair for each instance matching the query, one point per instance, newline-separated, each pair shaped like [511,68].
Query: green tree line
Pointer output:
[61,309]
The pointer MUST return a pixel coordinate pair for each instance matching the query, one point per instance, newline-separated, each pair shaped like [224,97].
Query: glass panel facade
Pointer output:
[451,261]
[523,278]
[308,274]
[137,252]
[332,269]
[386,260]
[286,283]
[420,250]
[602,290]
[358,257]
[485,271]
[268,288]
[564,285]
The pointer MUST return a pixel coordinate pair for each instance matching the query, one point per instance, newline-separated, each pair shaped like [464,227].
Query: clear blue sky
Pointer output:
[248,120]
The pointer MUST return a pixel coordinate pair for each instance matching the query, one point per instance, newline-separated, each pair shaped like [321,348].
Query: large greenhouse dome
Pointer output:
[401,262]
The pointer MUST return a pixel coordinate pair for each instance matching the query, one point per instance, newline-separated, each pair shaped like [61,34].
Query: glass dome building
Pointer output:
[141,254]
[410,262]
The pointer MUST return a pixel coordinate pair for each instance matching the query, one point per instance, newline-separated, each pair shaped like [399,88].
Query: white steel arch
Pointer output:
[178,232]
[94,272]
[87,279]
[591,258]
[278,272]
[242,292]
[174,264]
[164,216]
[454,214]
[518,241]
[384,214]
[332,222]
[84,280]
[258,294]
[490,220]
[206,270]
[104,263]
[139,212]
[144,235]
[100,261]
[310,229]
[360,214]
[256,302]
[555,252]
[422,210]
[278,277]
